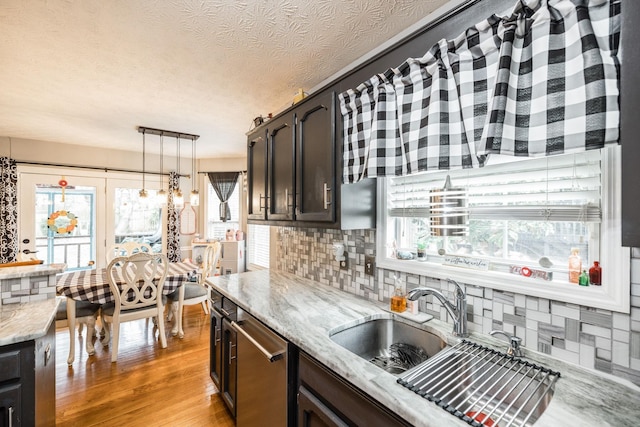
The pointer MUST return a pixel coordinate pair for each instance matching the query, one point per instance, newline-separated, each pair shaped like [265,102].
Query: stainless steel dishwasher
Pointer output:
[262,374]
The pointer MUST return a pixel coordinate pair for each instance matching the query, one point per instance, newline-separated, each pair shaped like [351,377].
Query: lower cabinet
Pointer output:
[324,399]
[223,349]
[27,382]
[228,382]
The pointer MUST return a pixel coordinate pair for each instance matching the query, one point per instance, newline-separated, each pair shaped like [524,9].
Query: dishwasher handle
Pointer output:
[272,357]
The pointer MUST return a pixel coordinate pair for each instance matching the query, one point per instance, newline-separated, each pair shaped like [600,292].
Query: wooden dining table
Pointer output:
[93,286]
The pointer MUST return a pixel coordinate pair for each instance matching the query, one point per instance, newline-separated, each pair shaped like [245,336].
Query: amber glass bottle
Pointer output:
[595,274]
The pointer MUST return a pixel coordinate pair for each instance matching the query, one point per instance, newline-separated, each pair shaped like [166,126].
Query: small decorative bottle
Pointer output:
[583,280]
[575,265]
[595,274]
[398,301]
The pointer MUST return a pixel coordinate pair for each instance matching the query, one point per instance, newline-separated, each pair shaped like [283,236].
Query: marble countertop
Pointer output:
[305,312]
[24,322]
[31,270]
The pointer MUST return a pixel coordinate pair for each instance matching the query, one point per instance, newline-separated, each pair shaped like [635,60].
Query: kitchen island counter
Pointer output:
[305,313]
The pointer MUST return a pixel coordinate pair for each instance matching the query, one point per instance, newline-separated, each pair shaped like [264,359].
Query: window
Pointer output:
[521,213]
[258,245]
[216,229]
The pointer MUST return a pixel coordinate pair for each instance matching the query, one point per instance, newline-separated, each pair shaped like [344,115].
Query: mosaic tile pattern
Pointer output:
[593,338]
[27,289]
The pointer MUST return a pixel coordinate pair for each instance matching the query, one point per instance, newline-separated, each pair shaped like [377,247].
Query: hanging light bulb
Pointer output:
[178,199]
[161,195]
[143,193]
[194,197]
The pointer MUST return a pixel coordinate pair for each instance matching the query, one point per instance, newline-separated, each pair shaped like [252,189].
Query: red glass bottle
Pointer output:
[595,274]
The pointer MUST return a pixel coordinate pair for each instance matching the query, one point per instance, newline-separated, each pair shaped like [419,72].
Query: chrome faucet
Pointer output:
[515,348]
[458,312]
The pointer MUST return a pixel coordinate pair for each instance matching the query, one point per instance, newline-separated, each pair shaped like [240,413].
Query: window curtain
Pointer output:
[173,221]
[223,184]
[540,81]
[8,210]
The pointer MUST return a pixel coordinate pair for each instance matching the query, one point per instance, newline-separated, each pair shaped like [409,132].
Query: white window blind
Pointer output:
[258,245]
[556,188]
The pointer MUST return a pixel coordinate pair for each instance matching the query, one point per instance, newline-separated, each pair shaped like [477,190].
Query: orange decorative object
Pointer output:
[63,183]
[62,222]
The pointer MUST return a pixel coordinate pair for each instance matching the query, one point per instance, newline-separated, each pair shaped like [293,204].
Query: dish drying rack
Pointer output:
[482,386]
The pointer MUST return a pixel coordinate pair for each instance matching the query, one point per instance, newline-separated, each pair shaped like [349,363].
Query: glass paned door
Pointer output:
[61,229]
[134,218]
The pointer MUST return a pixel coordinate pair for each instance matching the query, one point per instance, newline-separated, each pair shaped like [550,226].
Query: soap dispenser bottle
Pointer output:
[398,300]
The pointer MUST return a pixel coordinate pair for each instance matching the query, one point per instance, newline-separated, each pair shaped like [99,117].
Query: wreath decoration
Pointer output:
[62,222]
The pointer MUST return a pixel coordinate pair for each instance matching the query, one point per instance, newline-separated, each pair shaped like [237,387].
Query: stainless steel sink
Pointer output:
[476,383]
[387,342]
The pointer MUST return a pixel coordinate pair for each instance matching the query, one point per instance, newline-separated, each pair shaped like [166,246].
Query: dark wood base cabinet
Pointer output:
[325,400]
[27,382]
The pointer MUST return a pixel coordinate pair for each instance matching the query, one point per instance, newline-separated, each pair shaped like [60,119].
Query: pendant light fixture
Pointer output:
[449,211]
[194,197]
[162,193]
[143,193]
[178,200]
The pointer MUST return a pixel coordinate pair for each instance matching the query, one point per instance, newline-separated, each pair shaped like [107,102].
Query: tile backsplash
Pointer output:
[594,338]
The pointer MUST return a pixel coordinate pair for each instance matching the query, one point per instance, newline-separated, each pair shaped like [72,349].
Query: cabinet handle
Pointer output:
[216,335]
[263,206]
[286,195]
[230,356]
[10,416]
[325,195]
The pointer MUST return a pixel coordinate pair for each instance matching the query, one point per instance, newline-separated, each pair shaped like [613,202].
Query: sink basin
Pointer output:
[389,343]
[476,383]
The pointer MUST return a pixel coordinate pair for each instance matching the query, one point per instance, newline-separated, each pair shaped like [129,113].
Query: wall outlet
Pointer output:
[343,264]
[369,264]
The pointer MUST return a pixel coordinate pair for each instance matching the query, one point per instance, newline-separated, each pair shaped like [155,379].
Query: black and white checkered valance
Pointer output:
[540,81]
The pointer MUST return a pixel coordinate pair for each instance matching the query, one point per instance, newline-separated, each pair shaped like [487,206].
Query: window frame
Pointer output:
[613,295]
[208,224]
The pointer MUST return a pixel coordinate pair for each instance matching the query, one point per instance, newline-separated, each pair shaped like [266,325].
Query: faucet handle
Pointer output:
[515,347]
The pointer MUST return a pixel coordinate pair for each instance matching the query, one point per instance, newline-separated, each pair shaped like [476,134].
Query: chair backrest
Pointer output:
[137,281]
[127,249]
[211,256]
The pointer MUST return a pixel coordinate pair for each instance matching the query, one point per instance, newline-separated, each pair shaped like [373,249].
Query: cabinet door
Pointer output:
[215,350]
[229,366]
[313,413]
[257,175]
[10,405]
[281,169]
[315,187]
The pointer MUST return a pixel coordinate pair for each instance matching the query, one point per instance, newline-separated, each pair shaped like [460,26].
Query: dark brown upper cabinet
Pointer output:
[280,169]
[257,175]
[315,159]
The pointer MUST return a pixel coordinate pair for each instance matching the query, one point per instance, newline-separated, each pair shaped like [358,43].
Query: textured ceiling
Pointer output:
[89,72]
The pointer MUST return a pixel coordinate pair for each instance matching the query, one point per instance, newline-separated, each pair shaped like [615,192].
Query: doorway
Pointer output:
[60,224]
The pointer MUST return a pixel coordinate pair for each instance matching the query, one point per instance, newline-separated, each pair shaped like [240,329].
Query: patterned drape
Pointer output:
[541,81]
[8,210]
[223,184]
[173,221]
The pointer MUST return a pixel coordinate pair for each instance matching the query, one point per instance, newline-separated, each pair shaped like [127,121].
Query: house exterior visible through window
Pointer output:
[525,217]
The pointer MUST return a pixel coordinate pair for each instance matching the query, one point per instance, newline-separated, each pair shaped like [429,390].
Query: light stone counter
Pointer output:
[305,312]
[28,321]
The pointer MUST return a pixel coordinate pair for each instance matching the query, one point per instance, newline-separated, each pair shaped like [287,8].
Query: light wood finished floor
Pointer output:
[147,386]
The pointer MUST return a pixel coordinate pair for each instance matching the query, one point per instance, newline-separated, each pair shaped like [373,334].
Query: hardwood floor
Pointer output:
[147,386]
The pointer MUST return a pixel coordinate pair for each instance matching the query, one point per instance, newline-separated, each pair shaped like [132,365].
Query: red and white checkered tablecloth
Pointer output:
[93,285]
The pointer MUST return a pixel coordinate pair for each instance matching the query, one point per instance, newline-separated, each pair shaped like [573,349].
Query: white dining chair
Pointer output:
[136,283]
[86,314]
[196,292]
[127,249]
